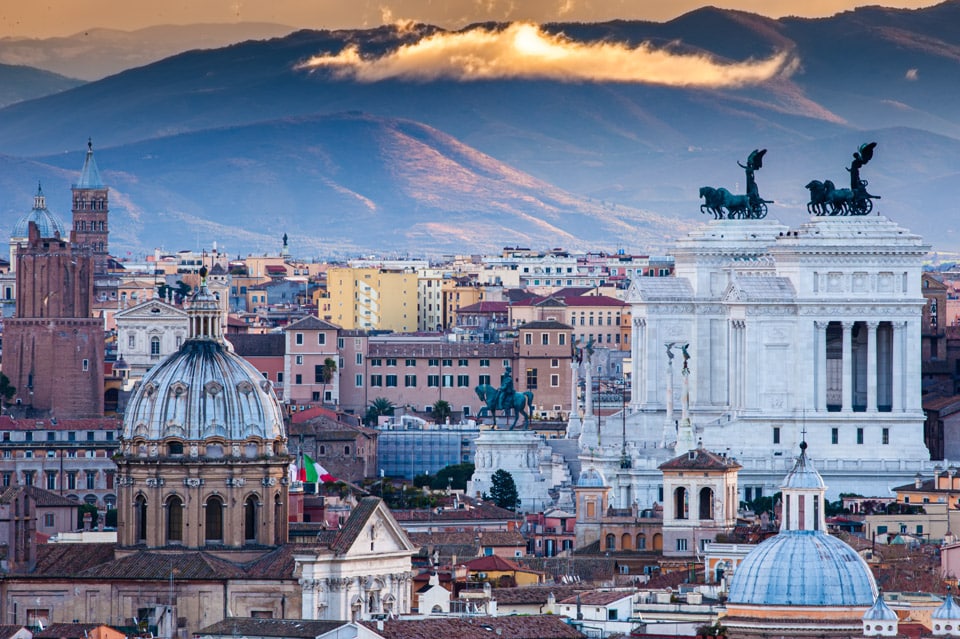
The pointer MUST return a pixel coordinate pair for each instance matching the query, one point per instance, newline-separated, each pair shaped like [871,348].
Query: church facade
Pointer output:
[768,335]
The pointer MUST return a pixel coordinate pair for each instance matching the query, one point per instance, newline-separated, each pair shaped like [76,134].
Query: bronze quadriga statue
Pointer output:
[725,205]
[826,199]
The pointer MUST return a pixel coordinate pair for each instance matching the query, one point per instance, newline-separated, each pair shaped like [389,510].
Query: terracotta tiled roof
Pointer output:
[534,594]
[67,631]
[355,524]
[8,630]
[699,459]
[187,565]
[68,560]
[545,325]
[598,597]
[41,497]
[276,564]
[312,413]
[257,345]
[481,512]
[514,627]
[311,323]
[509,538]
[491,562]
[486,307]
[292,628]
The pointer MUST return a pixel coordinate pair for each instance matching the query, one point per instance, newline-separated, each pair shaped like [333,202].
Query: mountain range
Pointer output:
[242,143]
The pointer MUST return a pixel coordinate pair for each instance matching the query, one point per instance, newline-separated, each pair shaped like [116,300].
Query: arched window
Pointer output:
[706,503]
[626,541]
[611,542]
[680,504]
[174,520]
[154,346]
[214,520]
[641,541]
[250,519]
[657,541]
[140,518]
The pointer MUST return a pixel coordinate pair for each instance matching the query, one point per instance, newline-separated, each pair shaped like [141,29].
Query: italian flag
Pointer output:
[311,471]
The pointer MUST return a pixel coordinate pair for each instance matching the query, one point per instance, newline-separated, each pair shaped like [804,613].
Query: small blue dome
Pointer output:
[948,610]
[591,478]
[803,568]
[880,611]
[47,223]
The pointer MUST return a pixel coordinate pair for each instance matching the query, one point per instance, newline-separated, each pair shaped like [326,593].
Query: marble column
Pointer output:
[820,366]
[637,349]
[872,366]
[896,394]
[846,394]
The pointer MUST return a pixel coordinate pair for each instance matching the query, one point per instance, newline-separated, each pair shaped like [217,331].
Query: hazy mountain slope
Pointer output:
[18,83]
[339,185]
[583,149]
[96,53]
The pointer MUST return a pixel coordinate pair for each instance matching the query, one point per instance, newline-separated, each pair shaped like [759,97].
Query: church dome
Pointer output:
[47,223]
[204,391]
[591,478]
[803,568]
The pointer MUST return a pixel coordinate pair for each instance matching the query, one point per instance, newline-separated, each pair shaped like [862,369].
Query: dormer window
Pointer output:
[175,449]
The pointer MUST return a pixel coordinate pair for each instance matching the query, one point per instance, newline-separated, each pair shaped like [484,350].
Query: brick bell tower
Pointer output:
[53,348]
[91,208]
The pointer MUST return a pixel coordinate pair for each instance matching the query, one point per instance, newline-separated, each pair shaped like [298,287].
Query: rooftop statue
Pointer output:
[725,205]
[826,199]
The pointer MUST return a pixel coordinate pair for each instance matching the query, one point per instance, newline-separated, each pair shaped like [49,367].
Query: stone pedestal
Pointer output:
[520,454]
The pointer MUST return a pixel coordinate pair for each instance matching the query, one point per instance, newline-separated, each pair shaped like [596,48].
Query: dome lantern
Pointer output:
[204,312]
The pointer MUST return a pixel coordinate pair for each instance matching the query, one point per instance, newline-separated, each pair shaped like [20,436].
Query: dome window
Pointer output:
[175,449]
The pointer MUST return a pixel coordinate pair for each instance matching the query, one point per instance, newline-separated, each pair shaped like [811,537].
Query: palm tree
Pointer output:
[441,410]
[379,406]
[327,372]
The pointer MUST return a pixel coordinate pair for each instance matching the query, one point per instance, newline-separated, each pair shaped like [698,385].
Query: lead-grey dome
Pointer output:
[803,568]
[204,391]
[48,224]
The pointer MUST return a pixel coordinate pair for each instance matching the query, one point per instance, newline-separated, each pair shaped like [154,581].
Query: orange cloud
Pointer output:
[523,50]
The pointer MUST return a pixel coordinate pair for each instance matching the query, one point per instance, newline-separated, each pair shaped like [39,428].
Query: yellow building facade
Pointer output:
[372,299]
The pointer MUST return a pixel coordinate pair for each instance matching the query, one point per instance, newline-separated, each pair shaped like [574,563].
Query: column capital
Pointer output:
[847,325]
[873,324]
[821,325]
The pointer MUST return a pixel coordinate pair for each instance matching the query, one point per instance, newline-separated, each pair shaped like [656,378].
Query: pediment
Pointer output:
[382,530]
[152,310]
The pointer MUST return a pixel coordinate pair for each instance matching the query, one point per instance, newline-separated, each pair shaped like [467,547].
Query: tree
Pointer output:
[455,477]
[503,490]
[379,406]
[6,390]
[441,410]
[82,510]
[327,371]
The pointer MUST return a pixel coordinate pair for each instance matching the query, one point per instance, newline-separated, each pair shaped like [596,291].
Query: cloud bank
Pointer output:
[524,51]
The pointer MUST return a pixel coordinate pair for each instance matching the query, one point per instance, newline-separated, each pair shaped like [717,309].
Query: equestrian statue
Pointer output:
[505,399]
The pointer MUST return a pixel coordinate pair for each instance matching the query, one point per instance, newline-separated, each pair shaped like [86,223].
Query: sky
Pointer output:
[51,18]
